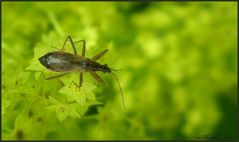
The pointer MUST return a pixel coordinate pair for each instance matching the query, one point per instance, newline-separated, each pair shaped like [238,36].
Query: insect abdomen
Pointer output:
[65,62]
[58,62]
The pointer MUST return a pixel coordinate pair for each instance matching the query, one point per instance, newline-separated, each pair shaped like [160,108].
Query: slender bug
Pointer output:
[64,62]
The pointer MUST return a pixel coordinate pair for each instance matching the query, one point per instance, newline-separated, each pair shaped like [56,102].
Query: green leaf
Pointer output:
[51,108]
[88,87]
[62,112]
[74,114]
[53,100]
[35,65]
[79,95]
[69,78]
[5,104]
[37,75]
[90,96]
[74,92]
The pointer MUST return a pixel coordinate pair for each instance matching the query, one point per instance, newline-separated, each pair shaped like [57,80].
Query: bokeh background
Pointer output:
[178,61]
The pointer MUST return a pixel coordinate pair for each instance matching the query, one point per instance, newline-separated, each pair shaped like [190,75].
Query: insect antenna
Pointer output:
[122,96]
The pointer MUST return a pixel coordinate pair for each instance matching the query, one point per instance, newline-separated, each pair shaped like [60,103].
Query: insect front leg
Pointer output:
[72,44]
[98,56]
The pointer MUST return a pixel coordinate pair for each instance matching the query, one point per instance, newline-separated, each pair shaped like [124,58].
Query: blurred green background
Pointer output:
[178,61]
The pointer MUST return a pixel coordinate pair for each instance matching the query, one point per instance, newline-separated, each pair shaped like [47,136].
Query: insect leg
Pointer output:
[96,57]
[81,79]
[96,76]
[83,48]
[73,83]
[64,43]
[52,77]
[72,44]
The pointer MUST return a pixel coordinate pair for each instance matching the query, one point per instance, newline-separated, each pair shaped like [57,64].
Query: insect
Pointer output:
[64,62]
